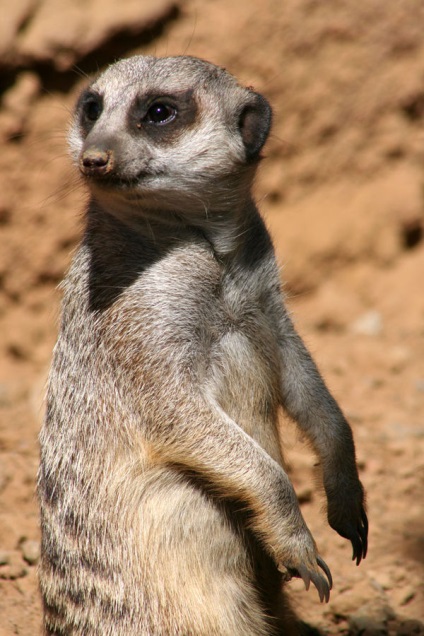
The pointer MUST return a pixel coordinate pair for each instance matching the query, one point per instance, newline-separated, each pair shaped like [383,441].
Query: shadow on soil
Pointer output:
[369,627]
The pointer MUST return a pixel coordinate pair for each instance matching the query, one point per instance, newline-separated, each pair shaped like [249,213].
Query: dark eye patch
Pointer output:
[90,107]
[163,116]
[160,114]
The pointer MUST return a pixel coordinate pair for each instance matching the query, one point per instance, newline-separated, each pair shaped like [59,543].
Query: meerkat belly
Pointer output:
[188,551]
[170,532]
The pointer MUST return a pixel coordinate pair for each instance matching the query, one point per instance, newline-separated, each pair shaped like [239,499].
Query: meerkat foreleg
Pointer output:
[309,402]
[236,467]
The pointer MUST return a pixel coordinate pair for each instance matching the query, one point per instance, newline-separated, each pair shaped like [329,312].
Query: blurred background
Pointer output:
[342,191]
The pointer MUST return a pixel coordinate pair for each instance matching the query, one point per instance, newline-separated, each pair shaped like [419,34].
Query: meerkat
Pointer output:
[165,506]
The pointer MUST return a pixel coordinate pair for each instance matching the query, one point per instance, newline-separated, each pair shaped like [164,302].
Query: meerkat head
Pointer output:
[167,133]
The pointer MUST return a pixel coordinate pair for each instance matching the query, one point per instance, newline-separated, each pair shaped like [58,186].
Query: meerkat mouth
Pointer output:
[138,190]
[116,182]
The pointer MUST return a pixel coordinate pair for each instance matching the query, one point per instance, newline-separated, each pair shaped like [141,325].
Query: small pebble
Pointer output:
[31,551]
[4,557]
[409,593]
[371,619]
[419,385]
[382,579]
[12,572]
[410,628]
[369,324]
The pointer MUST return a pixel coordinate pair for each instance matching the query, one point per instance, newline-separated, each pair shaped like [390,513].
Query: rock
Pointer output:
[399,357]
[13,571]
[369,324]
[13,567]
[371,619]
[362,599]
[381,580]
[17,102]
[4,557]
[62,33]
[21,96]
[30,551]
[345,603]
[5,476]
[408,594]
[17,14]
[5,213]
[419,385]
[410,628]
[334,307]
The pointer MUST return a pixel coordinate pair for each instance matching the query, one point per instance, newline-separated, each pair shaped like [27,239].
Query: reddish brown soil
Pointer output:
[342,190]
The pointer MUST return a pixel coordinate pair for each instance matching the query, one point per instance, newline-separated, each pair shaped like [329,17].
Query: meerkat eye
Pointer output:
[160,114]
[92,109]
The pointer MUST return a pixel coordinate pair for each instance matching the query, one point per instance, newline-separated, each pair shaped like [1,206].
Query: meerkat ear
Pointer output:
[255,123]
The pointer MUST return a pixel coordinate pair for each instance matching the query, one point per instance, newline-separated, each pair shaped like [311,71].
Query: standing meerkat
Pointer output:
[165,507]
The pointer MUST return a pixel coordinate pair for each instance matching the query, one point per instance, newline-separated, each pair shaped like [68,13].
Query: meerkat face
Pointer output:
[166,131]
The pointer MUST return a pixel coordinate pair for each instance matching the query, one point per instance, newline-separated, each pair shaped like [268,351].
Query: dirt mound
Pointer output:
[342,190]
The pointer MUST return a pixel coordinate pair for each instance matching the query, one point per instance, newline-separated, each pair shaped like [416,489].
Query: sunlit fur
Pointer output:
[165,507]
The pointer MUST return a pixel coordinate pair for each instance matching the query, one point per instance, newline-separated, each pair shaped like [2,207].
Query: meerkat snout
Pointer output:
[96,162]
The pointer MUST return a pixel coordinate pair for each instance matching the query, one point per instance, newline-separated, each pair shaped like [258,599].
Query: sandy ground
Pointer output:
[342,191]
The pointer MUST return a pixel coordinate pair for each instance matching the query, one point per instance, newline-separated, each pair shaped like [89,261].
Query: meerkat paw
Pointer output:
[347,516]
[354,527]
[310,570]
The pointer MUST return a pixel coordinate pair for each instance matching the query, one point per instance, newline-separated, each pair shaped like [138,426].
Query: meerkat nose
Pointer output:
[96,162]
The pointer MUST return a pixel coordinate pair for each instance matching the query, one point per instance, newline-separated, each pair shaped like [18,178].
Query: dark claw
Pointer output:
[322,564]
[357,549]
[305,576]
[360,540]
[357,534]
[364,533]
[320,583]
[322,587]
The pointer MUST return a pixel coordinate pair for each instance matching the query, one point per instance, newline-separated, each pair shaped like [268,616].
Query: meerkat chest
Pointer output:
[244,362]
[195,313]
